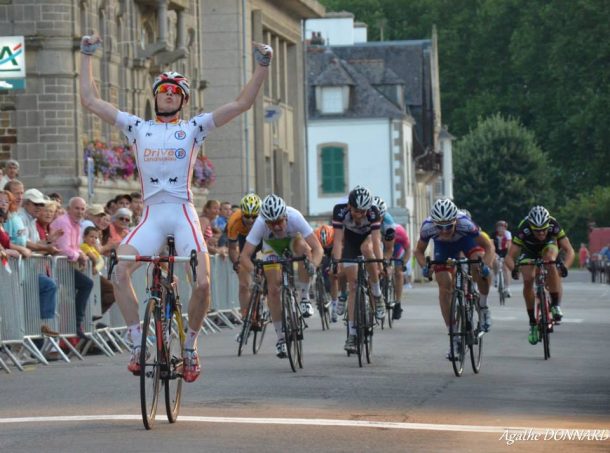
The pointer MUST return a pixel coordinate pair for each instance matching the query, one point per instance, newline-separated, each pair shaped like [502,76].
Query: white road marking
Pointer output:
[572,320]
[288,421]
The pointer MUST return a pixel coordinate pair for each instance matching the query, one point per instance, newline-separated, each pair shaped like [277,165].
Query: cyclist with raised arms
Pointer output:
[282,230]
[238,226]
[166,148]
[454,233]
[357,225]
[540,236]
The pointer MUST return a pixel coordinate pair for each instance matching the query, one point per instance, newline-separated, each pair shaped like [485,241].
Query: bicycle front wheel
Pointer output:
[390,297]
[289,324]
[475,335]
[543,323]
[263,318]
[360,318]
[150,368]
[173,364]
[247,321]
[368,332]
[457,333]
[322,299]
[501,289]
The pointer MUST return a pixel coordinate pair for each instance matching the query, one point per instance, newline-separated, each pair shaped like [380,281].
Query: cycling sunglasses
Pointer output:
[445,226]
[541,229]
[250,217]
[277,222]
[170,88]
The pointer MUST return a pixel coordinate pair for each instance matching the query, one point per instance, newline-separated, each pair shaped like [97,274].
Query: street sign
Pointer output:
[12,63]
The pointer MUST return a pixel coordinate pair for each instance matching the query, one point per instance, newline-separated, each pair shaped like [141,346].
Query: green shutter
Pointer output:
[333,178]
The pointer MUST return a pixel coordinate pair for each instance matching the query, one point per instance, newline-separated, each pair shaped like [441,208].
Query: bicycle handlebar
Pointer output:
[453,261]
[156,259]
[359,260]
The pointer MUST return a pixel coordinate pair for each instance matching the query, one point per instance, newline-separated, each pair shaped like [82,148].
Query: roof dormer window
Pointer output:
[332,99]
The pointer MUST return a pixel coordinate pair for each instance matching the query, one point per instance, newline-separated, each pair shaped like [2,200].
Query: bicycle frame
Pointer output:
[462,319]
[163,306]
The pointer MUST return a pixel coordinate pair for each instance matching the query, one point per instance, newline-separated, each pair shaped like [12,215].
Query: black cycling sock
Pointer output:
[554,299]
[532,317]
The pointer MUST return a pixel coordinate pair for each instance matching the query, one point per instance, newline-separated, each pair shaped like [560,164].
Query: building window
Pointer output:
[332,169]
[332,100]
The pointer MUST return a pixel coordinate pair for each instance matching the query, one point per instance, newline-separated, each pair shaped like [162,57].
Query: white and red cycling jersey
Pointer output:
[165,156]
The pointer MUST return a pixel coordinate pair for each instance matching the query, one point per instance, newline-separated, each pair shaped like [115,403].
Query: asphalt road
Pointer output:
[408,399]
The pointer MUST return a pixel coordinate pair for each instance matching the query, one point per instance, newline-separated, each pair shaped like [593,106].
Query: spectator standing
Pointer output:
[583,255]
[47,289]
[221,221]
[123,201]
[32,204]
[209,214]
[45,216]
[119,228]
[11,172]
[137,207]
[69,245]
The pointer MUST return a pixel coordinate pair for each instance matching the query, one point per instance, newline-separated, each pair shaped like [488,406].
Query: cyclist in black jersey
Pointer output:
[357,232]
[540,236]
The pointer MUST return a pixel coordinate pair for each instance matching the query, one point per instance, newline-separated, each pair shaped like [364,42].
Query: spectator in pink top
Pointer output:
[69,245]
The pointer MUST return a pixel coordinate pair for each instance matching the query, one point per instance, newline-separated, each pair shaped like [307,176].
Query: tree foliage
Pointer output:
[500,172]
[591,208]
[546,63]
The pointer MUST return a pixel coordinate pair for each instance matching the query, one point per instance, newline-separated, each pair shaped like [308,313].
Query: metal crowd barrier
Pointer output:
[20,335]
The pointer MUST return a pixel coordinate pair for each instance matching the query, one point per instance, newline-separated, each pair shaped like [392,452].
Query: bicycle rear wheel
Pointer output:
[173,366]
[543,323]
[360,318]
[457,330]
[289,324]
[150,368]
[263,318]
[475,343]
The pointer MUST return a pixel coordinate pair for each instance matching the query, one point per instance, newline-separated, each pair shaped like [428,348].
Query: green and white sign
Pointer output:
[12,63]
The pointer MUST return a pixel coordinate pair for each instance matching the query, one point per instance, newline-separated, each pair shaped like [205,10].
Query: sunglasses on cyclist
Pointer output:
[540,230]
[277,222]
[445,226]
[249,217]
[170,88]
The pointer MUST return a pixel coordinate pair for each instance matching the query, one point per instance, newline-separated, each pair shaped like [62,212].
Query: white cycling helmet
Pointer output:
[360,198]
[443,211]
[174,78]
[538,217]
[273,208]
[378,201]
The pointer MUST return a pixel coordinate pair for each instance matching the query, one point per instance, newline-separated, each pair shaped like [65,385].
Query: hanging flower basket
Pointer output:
[204,173]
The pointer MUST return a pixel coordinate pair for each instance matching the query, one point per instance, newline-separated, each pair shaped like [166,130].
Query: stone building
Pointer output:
[46,129]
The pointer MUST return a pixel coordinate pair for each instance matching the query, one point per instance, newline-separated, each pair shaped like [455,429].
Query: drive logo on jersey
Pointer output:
[180,135]
[163,155]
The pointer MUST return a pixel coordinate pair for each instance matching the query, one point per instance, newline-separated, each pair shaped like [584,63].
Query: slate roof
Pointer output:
[378,63]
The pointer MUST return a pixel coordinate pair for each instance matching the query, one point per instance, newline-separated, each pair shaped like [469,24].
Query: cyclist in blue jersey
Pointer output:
[454,233]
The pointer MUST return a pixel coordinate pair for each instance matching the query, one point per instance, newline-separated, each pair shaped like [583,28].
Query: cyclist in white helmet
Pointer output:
[357,225]
[453,233]
[540,236]
[166,149]
[282,229]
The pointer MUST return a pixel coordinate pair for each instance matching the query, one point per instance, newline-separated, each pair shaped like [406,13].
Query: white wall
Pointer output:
[336,31]
[368,157]
[360,34]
